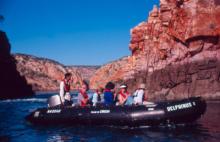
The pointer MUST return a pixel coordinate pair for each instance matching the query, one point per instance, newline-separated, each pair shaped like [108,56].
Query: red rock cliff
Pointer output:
[85,71]
[44,74]
[176,52]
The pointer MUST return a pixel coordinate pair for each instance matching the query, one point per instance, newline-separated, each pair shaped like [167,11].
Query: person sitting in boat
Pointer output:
[139,95]
[109,94]
[65,89]
[122,95]
[83,97]
[97,96]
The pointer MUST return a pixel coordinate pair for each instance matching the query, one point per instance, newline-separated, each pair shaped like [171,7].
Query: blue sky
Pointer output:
[73,32]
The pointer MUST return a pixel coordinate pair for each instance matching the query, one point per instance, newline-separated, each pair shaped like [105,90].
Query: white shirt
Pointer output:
[138,96]
[62,91]
[94,99]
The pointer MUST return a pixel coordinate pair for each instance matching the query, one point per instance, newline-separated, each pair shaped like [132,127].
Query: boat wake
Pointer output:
[25,100]
[43,100]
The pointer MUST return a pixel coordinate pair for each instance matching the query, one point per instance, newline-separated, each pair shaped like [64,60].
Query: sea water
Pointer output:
[14,127]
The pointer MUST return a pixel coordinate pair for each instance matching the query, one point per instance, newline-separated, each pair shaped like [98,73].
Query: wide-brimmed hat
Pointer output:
[142,86]
[123,86]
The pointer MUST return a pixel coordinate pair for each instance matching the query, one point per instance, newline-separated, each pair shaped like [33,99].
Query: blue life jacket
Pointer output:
[108,98]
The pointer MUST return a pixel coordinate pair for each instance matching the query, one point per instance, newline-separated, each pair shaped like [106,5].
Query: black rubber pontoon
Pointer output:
[172,112]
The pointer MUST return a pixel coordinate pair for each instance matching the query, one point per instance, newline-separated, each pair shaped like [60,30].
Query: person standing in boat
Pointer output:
[109,94]
[139,95]
[97,96]
[83,97]
[122,95]
[65,88]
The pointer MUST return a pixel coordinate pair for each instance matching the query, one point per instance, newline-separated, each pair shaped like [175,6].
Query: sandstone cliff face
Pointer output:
[114,71]
[176,52]
[85,71]
[12,84]
[44,74]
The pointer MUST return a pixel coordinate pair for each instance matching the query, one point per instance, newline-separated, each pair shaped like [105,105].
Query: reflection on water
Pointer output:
[13,127]
[181,133]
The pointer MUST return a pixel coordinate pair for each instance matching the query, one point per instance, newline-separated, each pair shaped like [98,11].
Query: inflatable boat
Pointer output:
[161,113]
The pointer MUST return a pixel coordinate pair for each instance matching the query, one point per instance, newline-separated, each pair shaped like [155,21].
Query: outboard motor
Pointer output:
[54,101]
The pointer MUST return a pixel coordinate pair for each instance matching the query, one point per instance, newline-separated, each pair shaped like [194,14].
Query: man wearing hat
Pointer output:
[139,94]
[123,94]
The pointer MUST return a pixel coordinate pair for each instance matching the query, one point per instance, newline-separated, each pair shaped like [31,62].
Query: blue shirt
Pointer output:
[108,98]
[129,101]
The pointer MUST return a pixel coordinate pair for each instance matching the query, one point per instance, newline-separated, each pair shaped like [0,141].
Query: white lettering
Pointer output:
[100,111]
[54,111]
[179,107]
[150,109]
[104,111]
[94,112]
[36,114]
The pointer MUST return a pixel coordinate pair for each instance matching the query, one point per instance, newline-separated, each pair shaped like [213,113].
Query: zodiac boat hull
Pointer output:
[172,112]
